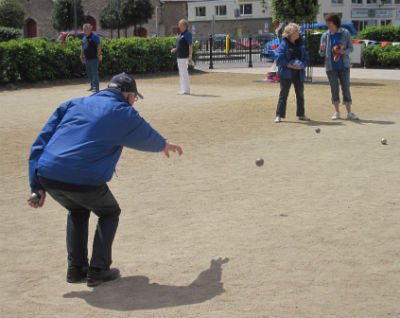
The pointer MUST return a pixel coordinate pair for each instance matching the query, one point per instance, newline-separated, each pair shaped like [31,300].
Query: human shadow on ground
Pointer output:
[314,123]
[137,293]
[203,95]
[352,83]
[376,122]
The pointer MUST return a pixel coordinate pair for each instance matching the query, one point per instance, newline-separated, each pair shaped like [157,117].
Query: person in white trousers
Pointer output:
[184,52]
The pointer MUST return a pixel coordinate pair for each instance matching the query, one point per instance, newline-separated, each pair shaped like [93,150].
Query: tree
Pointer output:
[121,14]
[297,11]
[12,14]
[62,15]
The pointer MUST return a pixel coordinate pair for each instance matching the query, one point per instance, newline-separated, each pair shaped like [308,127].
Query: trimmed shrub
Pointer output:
[383,33]
[389,56]
[312,43]
[39,59]
[7,34]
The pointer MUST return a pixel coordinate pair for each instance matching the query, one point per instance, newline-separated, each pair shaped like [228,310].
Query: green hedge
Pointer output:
[34,60]
[389,56]
[312,43]
[7,34]
[384,33]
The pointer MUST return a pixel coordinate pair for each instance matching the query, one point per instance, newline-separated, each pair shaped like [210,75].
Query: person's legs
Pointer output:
[333,79]
[89,72]
[299,89]
[283,96]
[184,76]
[95,74]
[344,78]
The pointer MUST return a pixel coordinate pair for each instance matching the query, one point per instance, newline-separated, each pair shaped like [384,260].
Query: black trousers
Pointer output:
[283,96]
[101,202]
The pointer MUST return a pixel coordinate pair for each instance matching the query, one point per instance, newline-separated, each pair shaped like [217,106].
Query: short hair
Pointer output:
[183,22]
[290,29]
[334,18]
[87,25]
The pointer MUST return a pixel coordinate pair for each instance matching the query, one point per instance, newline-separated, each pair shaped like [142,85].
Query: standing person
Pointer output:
[91,56]
[184,52]
[336,45]
[291,57]
[74,157]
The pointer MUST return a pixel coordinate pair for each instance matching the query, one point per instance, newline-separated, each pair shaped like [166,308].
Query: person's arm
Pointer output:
[41,141]
[281,58]
[99,56]
[139,135]
[82,56]
[322,48]
[189,40]
[349,45]
[190,52]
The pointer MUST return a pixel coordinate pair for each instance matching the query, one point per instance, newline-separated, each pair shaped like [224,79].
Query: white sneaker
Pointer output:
[304,118]
[277,119]
[352,116]
[336,116]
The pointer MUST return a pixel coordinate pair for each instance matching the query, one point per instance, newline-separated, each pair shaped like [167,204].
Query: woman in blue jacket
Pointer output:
[291,57]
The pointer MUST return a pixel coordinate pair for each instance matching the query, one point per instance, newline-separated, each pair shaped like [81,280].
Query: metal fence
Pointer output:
[244,50]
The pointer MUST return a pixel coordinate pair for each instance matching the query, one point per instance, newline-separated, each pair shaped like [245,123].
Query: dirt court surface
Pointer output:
[315,232]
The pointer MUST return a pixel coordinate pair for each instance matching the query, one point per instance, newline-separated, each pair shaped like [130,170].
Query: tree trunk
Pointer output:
[111,33]
[126,32]
[118,32]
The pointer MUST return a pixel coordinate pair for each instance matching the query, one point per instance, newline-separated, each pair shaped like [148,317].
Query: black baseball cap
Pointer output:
[124,83]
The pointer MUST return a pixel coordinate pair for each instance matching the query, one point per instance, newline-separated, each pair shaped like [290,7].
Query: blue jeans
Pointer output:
[79,205]
[92,70]
[343,77]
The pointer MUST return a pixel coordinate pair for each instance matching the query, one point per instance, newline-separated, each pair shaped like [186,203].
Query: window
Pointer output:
[246,9]
[338,13]
[360,24]
[386,1]
[337,1]
[397,1]
[357,1]
[200,11]
[386,22]
[371,1]
[220,10]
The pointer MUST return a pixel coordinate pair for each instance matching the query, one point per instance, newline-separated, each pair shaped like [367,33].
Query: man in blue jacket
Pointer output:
[75,156]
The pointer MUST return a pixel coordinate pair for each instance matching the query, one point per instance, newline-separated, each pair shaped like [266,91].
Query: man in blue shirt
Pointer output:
[74,157]
[184,52]
[91,56]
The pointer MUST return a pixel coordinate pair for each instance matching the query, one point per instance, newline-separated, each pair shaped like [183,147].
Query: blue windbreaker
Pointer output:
[282,57]
[83,140]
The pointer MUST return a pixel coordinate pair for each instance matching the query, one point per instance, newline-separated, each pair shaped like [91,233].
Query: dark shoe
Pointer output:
[90,89]
[97,276]
[76,274]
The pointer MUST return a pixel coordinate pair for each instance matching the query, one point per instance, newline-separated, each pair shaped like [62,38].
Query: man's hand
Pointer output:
[295,67]
[172,147]
[173,50]
[100,58]
[190,59]
[82,60]
[41,202]
[323,47]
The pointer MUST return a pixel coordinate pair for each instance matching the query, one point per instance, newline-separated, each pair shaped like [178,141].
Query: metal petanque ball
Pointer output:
[317,130]
[35,198]
[384,141]
[259,162]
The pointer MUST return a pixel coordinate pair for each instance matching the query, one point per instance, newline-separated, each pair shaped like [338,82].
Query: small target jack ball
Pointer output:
[259,162]
[384,141]
[35,198]
[317,130]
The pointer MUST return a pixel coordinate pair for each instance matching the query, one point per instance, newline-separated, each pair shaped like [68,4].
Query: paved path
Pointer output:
[360,73]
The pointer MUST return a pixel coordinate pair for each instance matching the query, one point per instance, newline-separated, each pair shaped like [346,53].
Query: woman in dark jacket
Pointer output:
[291,57]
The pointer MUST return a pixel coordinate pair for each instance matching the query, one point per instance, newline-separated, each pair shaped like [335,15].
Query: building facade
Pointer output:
[363,13]
[165,18]
[238,18]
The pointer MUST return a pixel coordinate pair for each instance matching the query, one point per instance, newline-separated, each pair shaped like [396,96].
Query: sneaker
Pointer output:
[304,118]
[183,93]
[97,276]
[90,89]
[278,119]
[76,274]
[336,116]
[352,116]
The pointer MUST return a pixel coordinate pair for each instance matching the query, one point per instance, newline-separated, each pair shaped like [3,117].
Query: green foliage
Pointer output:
[119,14]
[389,56]
[297,11]
[12,14]
[383,33]
[62,15]
[312,43]
[7,34]
[35,60]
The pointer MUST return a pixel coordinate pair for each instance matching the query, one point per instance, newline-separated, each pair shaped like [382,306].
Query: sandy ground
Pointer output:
[314,232]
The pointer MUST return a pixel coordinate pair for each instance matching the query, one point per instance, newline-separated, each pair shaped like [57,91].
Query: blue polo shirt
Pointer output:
[182,44]
[89,45]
